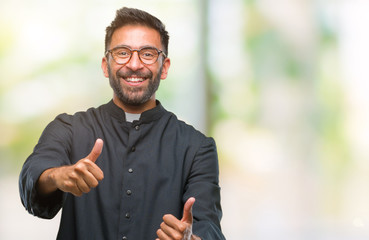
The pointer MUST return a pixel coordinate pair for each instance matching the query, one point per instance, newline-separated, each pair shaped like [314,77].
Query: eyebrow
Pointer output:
[127,46]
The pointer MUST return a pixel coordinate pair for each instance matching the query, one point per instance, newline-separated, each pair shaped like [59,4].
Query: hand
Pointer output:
[172,228]
[76,179]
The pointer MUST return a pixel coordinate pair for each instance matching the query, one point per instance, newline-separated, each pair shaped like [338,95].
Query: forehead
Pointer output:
[135,36]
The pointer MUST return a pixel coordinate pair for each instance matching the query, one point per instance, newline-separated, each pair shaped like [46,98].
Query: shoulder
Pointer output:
[90,113]
[188,132]
[64,123]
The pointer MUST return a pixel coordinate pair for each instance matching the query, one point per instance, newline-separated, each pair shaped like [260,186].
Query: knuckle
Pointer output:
[69,184]
[86,161]
[79,167]
[74,176]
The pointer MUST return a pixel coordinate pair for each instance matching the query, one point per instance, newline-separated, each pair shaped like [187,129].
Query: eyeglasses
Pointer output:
[147,55]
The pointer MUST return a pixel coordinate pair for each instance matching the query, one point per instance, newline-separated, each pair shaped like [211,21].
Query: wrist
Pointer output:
[46,183]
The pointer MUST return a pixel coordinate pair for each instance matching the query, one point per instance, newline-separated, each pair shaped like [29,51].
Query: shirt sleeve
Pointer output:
[52,150]
[203,184]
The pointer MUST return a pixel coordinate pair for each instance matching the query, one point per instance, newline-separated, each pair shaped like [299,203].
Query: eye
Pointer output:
[148,53]
[122,53]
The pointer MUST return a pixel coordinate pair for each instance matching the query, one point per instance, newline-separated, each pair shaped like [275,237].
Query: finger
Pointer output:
[171,231]
[90,180]
[187,211]
[96,150]
[97,173]
[73,188]
[87,169]
[77,192]
[161,235]
[82,185]
[174,223]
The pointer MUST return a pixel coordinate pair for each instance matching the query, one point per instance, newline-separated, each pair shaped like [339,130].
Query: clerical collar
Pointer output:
[146,117]
[130,117]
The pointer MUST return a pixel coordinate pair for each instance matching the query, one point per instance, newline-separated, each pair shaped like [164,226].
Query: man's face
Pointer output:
[134,83]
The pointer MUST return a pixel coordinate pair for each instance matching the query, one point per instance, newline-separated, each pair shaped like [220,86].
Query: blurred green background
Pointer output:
[282,86]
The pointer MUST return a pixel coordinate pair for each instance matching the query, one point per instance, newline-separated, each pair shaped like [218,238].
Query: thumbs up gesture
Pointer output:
[173,228]
[76,179]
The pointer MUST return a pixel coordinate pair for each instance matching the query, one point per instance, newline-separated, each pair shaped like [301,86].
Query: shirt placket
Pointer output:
[128,208]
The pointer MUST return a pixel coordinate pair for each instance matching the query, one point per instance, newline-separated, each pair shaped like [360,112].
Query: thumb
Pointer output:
[96,150]
[187,211]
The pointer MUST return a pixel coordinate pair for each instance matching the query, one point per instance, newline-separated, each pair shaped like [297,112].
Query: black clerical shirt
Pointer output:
[151,167]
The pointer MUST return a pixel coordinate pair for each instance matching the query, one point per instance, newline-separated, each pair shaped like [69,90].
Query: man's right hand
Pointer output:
[76,179]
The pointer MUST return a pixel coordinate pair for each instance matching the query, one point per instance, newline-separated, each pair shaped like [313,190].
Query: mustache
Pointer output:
[130,73]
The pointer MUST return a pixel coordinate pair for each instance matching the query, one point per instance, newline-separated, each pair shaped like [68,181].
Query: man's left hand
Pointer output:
[174,229]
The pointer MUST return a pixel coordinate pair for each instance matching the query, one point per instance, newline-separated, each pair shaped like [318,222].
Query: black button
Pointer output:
[124,238]
[137,127]
[128,215]
[129,192]
[130,170]
[133,149]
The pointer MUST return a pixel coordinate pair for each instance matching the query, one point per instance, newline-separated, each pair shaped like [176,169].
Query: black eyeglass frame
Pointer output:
[138,54]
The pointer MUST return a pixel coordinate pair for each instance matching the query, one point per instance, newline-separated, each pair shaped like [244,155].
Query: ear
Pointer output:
[104,66]
[165,69]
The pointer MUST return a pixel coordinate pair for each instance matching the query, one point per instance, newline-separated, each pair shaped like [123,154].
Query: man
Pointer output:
[128,169]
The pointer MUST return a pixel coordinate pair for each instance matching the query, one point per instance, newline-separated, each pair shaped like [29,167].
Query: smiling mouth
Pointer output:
[134,80]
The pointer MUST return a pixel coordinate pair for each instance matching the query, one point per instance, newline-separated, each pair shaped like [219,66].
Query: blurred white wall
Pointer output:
[289,103]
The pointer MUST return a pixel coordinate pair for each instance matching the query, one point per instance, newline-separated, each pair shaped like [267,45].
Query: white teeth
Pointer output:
[135,80]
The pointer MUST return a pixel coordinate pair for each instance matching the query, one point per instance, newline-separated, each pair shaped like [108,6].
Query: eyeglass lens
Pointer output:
[146,55]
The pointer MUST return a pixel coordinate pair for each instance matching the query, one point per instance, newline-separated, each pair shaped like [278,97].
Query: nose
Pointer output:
[134,63]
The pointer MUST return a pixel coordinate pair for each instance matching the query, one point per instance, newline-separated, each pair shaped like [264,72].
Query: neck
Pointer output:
[133,108]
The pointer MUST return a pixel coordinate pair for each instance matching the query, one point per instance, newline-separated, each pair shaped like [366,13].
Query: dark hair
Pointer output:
[131,16]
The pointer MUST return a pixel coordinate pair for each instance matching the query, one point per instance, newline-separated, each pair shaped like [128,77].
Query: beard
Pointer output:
[138,95]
